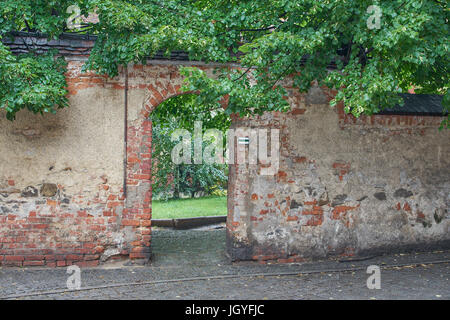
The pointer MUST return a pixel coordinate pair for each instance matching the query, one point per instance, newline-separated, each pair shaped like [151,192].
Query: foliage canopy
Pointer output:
[331,41]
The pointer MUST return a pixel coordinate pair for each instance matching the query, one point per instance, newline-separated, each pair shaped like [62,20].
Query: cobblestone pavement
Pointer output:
[194,247]
[192,264]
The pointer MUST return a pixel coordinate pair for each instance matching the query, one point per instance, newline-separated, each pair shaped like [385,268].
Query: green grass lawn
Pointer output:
[188,208]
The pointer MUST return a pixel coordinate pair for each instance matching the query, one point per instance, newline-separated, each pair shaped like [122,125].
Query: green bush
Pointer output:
[169,179]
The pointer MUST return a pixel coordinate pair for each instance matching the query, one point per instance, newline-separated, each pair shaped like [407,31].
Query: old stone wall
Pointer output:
[75,186]
[345,186]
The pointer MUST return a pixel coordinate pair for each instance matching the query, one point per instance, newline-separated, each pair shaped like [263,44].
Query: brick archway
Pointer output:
[159,82]
[138,206]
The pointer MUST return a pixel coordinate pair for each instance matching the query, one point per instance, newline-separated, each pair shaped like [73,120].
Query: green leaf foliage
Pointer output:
[34,83]
[329,41]
[170,179]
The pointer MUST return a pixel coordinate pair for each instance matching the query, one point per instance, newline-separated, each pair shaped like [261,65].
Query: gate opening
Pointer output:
[189,182]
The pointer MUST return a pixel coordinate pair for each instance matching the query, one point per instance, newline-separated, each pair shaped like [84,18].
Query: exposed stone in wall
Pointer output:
[59,230]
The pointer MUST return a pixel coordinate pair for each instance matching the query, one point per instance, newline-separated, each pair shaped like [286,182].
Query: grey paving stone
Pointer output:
[201,253]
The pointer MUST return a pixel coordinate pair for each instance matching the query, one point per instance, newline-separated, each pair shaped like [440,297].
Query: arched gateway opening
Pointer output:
[149,239]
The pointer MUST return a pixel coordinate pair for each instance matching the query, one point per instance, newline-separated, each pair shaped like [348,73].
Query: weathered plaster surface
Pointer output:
[344,188]
[59,172]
